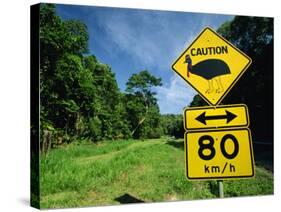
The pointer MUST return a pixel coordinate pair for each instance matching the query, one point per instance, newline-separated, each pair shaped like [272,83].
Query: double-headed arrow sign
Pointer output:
[228,116]
[216,117]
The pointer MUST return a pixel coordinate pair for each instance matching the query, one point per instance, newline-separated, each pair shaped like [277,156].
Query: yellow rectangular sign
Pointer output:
[217,154]
[196,118]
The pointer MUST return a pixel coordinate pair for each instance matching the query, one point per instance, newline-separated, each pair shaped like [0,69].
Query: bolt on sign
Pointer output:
[218,143]
[211,65]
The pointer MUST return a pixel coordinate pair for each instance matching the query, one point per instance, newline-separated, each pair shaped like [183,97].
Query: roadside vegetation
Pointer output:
[128,171]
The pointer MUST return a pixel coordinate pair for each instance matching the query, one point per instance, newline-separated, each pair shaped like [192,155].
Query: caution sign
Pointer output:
[211,65]
[223,116]
[217,154]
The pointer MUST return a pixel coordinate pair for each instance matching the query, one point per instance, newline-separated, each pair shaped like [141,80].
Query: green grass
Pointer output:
[150,170]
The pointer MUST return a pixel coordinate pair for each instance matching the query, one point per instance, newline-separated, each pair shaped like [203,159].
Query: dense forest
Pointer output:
[80,98]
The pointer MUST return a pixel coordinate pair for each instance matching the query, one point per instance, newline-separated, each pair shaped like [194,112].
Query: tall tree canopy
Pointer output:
[142,108]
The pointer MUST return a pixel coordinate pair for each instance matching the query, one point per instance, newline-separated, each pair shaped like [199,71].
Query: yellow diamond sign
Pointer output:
[211,65]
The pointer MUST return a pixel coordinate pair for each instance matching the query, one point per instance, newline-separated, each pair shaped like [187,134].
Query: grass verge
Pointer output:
[115,172]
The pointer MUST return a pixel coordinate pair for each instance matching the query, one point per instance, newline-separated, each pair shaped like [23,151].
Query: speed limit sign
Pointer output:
[219,154]
[218,143]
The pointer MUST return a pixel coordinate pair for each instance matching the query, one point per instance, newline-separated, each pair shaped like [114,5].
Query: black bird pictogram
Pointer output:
[210,69]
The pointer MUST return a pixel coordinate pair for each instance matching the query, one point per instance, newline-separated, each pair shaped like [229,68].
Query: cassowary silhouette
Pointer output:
[210,70]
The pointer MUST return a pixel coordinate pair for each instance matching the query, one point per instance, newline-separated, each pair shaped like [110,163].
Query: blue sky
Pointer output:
[132,40]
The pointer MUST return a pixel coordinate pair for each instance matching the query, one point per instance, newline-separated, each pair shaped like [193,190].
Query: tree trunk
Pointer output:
[47,141]
[142,120]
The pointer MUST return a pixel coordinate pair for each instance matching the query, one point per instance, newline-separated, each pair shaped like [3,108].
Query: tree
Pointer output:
[141,102]
[77,37]
[254,36]
[62,76]
[197,101]
[107,105]
[172,125]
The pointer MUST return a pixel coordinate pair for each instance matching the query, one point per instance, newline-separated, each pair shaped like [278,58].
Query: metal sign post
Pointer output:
[220,182]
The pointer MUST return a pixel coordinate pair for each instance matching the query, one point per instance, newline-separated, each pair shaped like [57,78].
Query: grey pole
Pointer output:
[220,182]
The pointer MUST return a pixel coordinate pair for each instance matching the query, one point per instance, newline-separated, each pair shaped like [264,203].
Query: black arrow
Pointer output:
[203,118]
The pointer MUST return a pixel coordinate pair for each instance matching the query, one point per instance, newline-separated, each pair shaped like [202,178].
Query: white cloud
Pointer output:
[152,39]
[176,95]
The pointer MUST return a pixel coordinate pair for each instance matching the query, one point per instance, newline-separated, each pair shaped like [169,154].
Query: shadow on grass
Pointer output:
[179,144]
[127,198]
